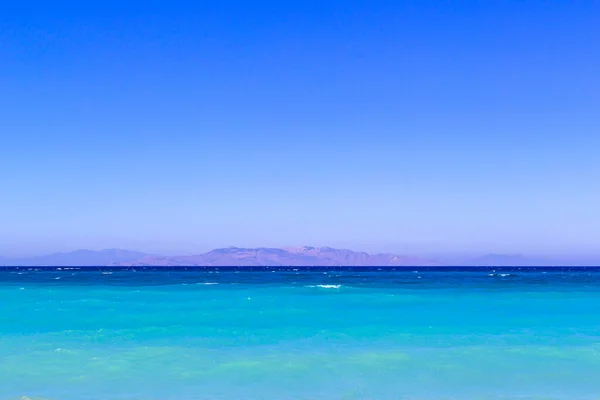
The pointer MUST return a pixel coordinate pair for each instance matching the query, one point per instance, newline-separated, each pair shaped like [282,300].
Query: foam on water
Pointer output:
[326,286]
[265,335]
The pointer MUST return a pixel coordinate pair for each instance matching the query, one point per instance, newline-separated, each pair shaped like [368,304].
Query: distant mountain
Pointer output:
[274,257]
[301,256]
[79,258]
[505,260]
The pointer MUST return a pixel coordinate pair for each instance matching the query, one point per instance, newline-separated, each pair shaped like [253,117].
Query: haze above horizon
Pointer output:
[406,127]
[306,256]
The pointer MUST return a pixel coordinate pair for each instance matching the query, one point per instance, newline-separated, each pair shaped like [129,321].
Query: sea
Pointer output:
[300,333]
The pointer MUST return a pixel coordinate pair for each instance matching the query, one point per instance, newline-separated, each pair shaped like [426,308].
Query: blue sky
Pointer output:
[409,126]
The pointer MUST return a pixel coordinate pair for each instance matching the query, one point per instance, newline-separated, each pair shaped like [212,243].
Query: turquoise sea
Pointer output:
[257,334]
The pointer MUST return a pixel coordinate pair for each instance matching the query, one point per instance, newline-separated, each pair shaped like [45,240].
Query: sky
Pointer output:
[408,126]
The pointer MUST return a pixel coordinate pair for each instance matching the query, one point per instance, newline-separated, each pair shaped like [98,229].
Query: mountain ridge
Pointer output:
[80,258]
[303,256]
[268,256]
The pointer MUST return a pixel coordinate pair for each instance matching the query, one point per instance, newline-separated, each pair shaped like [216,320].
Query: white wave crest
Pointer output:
[327,286]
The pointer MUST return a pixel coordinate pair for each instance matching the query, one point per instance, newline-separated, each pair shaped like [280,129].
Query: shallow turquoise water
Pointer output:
[298,334]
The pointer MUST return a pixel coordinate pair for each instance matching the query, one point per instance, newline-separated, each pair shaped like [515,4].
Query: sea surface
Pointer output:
[258,334]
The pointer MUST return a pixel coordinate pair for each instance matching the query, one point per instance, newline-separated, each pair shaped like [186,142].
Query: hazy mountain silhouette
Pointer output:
[301,256]
[81,258]
[264,256]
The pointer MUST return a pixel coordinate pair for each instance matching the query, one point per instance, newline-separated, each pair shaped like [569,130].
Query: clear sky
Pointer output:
[409,126]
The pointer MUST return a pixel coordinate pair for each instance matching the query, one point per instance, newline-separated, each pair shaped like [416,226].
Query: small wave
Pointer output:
[500,275]
[207,283]
[57,278]
[327,286]
[107,273]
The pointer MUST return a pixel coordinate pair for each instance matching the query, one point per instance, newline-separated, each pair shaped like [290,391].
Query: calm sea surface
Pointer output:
[300,334]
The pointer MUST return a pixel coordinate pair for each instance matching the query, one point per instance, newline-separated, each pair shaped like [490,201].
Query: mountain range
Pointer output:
[300,256]
[231,256]
[255,257]
[80,258]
